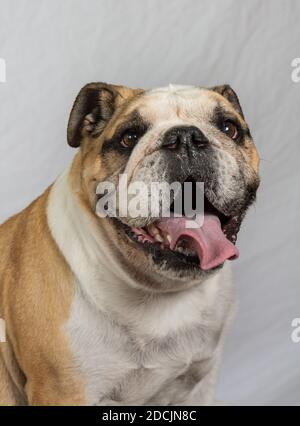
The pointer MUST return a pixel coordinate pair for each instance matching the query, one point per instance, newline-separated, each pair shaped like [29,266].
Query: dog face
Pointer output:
[173,134]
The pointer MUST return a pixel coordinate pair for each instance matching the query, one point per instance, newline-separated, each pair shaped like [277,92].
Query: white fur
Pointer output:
[132,348]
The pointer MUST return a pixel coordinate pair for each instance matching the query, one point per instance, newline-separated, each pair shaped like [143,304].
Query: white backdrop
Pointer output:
[53,47]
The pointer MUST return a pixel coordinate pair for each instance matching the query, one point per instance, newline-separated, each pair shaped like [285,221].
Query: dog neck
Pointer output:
[82,243]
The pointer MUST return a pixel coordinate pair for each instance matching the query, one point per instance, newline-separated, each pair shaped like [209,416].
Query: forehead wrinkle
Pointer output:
[169,106]
[172,88]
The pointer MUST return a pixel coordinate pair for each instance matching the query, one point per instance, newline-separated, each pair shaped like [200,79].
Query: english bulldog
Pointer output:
[119,310]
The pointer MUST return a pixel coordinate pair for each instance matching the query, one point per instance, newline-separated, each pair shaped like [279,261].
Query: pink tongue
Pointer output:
[209,241]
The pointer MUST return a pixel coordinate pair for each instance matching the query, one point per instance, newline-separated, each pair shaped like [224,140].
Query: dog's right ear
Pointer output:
[93,108]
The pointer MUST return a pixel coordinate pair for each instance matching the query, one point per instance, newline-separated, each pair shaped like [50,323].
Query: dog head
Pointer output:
[175,134]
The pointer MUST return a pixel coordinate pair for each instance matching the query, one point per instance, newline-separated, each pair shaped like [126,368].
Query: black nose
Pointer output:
[184,135]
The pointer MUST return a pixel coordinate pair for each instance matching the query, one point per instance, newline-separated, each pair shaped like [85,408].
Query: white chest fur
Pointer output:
[132,360]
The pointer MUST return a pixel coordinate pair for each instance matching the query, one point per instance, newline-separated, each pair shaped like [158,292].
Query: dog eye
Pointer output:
[129,139]
[230,129]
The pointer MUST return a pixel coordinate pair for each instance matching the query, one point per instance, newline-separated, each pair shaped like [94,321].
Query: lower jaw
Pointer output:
[181,263]
[166,258]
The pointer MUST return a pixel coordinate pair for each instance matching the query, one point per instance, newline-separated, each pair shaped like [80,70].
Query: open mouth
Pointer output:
[182,240]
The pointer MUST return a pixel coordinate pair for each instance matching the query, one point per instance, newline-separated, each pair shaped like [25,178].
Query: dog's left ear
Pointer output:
[229,94]
[93,108]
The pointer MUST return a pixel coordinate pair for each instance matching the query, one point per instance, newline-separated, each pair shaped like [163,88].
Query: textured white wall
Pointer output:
[53,47]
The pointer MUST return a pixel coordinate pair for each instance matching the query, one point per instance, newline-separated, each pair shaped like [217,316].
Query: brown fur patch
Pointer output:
[36,291]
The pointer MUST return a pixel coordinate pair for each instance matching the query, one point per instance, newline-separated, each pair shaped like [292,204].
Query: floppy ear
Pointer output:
[93,108]
[229,94]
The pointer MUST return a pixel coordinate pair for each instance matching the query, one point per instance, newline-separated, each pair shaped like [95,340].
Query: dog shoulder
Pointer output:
[36,292]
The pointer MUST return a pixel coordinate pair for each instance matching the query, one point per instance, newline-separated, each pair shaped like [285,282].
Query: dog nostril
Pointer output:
[198,139]
[173,145]
[184,136]
[172,142]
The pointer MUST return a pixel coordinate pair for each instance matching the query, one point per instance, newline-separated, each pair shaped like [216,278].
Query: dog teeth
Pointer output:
[155,233]
[167,239]
[152,230]
[158,238]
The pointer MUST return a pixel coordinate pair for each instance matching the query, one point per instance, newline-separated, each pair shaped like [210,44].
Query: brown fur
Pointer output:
[35,295]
